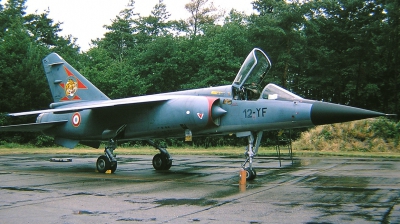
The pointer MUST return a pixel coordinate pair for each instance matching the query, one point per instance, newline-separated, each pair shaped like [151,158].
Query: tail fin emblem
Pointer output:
[72,86]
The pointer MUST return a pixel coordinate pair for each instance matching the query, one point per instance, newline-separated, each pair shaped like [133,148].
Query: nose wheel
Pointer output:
[250,173]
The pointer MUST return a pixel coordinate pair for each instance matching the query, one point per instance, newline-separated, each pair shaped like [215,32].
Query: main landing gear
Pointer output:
[108,160]
[251,151]
[162,160]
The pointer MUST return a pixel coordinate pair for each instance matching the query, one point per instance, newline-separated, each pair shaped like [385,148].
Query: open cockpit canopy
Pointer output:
[253,69]
[251,74]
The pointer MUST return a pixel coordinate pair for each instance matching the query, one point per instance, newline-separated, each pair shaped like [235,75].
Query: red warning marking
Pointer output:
[76,97]
[64,98]
[80,84]
[200,115]
[69,73]
[76,119]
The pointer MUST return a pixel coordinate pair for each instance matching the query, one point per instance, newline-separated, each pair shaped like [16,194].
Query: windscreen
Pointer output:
[274,92]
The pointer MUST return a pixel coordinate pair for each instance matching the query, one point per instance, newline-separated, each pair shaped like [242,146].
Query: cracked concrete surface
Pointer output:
[199,189]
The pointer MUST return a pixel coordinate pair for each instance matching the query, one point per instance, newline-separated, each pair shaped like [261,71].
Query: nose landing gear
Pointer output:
[250,152]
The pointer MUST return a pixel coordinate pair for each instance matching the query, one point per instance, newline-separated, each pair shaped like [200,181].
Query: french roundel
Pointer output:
[76,119]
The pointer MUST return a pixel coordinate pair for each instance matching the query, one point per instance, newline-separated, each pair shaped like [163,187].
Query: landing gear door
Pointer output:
[250,76]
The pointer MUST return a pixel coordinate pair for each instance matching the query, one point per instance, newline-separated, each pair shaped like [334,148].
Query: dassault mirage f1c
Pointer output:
[81,113]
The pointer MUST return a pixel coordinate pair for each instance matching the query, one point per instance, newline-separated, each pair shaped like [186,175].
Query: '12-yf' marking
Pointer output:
[259,112]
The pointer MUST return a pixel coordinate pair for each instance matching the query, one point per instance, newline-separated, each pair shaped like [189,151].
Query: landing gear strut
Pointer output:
[108,160]
[251,151]
[162,160]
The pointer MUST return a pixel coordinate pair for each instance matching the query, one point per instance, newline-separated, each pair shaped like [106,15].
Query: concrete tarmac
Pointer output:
[199,189]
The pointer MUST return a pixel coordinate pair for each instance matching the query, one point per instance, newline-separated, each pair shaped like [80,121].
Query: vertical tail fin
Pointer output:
[67,84]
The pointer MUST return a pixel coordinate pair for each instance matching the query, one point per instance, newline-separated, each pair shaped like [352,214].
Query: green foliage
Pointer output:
[371,135]
[387,130]
[43,141]
[9,145]
[24,41]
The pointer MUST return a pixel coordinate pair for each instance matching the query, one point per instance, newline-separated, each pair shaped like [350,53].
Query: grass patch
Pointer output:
[212,151]
[374,136]
[142,150]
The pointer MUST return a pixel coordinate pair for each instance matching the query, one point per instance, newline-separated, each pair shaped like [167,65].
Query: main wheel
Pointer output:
[103,164]
[250,173]
[113,167]
[158,162]
[161,162]
[168,163]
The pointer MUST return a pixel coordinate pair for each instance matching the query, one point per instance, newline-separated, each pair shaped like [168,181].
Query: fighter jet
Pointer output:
[81,113]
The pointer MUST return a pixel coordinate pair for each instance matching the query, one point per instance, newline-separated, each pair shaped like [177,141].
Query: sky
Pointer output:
[84,19]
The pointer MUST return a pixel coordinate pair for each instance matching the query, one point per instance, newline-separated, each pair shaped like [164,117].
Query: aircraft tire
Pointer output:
[250,173]
[158,162]
[103,164]
[168,163]
[113,167]
[161,162]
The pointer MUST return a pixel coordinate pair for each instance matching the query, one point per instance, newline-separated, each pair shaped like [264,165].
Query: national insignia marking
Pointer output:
[76,119]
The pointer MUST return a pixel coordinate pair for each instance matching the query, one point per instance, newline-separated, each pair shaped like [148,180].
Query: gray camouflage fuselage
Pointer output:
[193,111]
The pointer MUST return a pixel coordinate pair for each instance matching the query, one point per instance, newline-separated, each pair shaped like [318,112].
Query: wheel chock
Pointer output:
[242,180]
[108,172]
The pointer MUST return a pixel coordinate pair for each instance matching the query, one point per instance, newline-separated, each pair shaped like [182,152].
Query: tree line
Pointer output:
[340,51]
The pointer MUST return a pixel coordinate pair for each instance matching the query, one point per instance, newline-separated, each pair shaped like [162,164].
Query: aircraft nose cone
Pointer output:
[329,113]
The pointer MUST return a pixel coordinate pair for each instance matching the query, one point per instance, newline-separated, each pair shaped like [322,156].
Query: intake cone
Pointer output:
[329,113]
